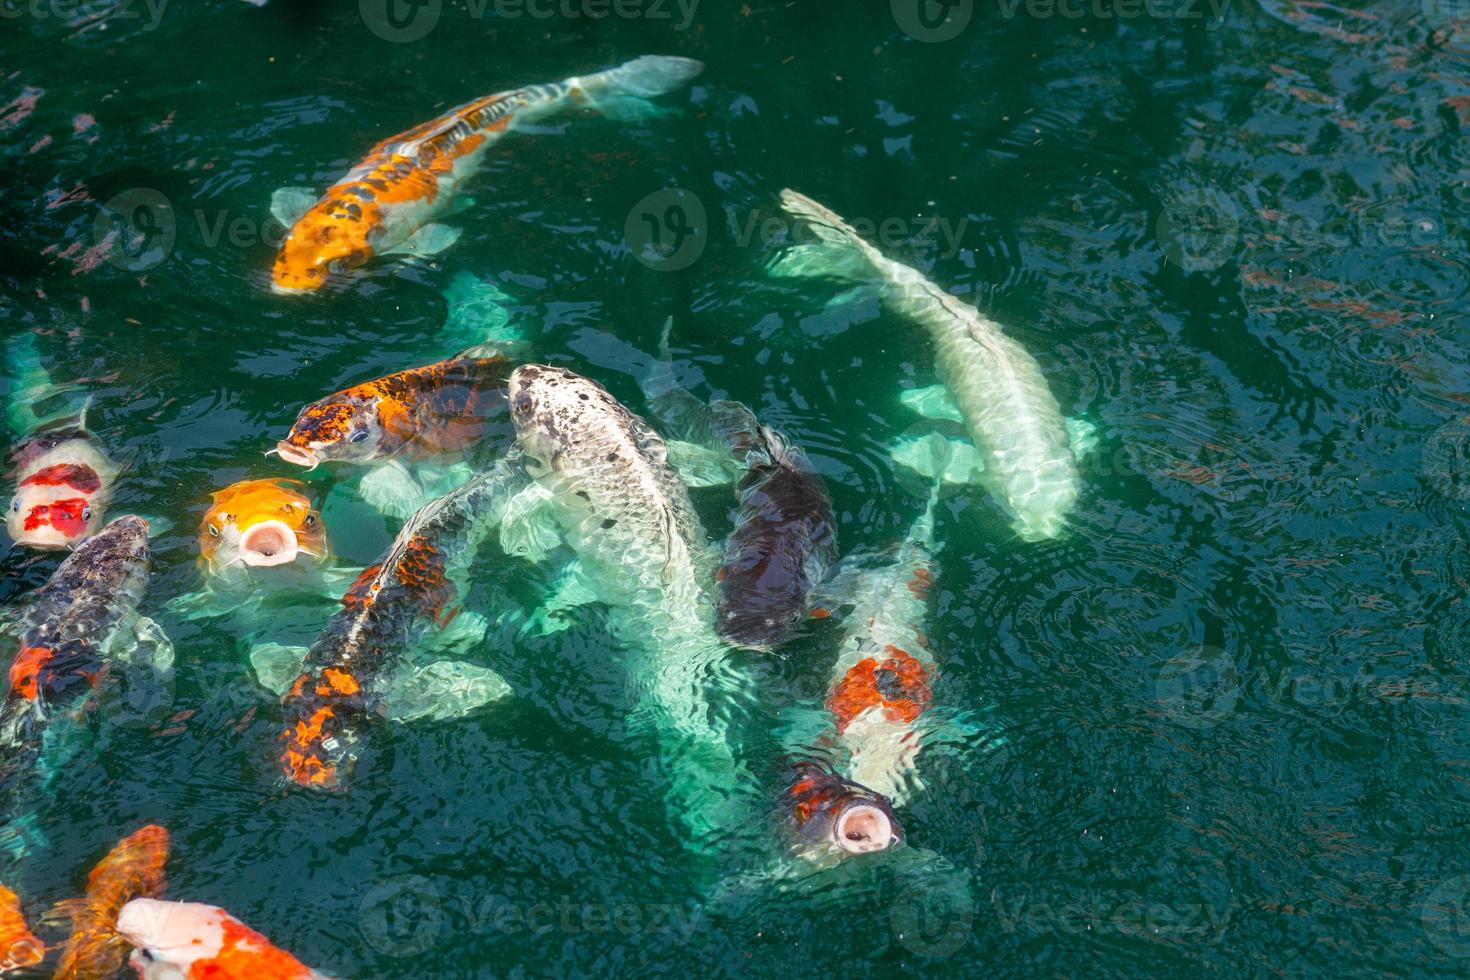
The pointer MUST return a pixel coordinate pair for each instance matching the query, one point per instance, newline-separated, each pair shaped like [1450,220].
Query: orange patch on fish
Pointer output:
[25,671]
[247,955]
[78,476]
[251,502]
[132,869]
[19,948]
[898,683]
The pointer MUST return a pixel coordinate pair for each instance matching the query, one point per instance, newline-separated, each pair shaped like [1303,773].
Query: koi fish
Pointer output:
[609,490]
[1026,450]
[784,539]
[19,948]
[389,203]
[63,483]
[73,627]
[831,816]
[188,940]
[884,675]
[436,410]
[345,676]
[261,523]
[133,869]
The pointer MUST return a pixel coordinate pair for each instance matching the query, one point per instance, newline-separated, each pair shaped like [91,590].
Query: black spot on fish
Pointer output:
[609,523]
[584,495]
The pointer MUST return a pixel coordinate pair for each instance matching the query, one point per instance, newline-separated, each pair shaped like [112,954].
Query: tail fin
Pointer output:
[839,251]
[33,401]
[623,92]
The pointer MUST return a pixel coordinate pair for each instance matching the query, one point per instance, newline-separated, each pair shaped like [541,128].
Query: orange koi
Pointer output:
[261,523]
[132,869]
[19,948]
[389,202]
[202,942]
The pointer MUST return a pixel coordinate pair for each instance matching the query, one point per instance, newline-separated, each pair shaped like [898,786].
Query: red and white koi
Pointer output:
[389,203]
[63,483]
[192,941]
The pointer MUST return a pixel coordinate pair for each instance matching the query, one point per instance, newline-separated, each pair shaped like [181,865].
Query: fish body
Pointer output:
[437,410]
[1002,396]
[883,679]
[830,816]
[260,523]
[386,202]
[70,625]
[192,941]
[19,948]
[783,541]
[390,605]
[63,484]
[133,869]
[622,507]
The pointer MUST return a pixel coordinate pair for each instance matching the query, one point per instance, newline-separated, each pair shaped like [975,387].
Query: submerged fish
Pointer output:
[389,202]
[260,523]
[439,409]
[19,948]
[996,387]
[784,539]
[832,816]
[390,606]
[177,940]
[613,496]
[133,869]
[883,679]
[72,627]
[63,483]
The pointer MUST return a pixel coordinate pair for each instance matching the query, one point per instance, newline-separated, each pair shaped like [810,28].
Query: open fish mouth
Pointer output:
[296,454]
[863,829]
[269,543]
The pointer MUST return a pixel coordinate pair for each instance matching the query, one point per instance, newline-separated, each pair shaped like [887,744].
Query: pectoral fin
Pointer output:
[934,457]
[431,239]
[528,526]
[463,632]
[276,666]
[442,689]
[702,466]
[1083,436]
[392,491]
[572,590]
[288,204]
[933,402]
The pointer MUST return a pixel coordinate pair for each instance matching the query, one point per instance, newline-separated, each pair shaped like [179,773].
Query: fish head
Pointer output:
[42,517]
[260,523]
[547,406]
[173,935]
[345,427]
[324,242]
[839,815]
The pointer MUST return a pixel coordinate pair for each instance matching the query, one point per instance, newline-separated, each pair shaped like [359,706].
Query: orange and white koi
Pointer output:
[19,948]
[192,941]
[66,631]
[261,523]
[63,482]
[437,410]
[392,603]
[132,869]
[884,676]
[390,201]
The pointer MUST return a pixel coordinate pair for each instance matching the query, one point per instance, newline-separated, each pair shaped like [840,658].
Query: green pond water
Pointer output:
[1225,729]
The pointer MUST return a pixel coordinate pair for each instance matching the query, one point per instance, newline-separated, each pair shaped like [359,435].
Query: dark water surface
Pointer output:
[1231,702]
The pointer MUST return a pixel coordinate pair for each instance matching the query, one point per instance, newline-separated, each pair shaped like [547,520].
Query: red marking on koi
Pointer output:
[78,476]
[898,683]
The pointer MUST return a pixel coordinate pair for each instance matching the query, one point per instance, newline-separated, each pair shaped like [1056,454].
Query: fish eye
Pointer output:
[15,505]
[358,436]
[213,531]
[310,520]
[337,266]
[86,513]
